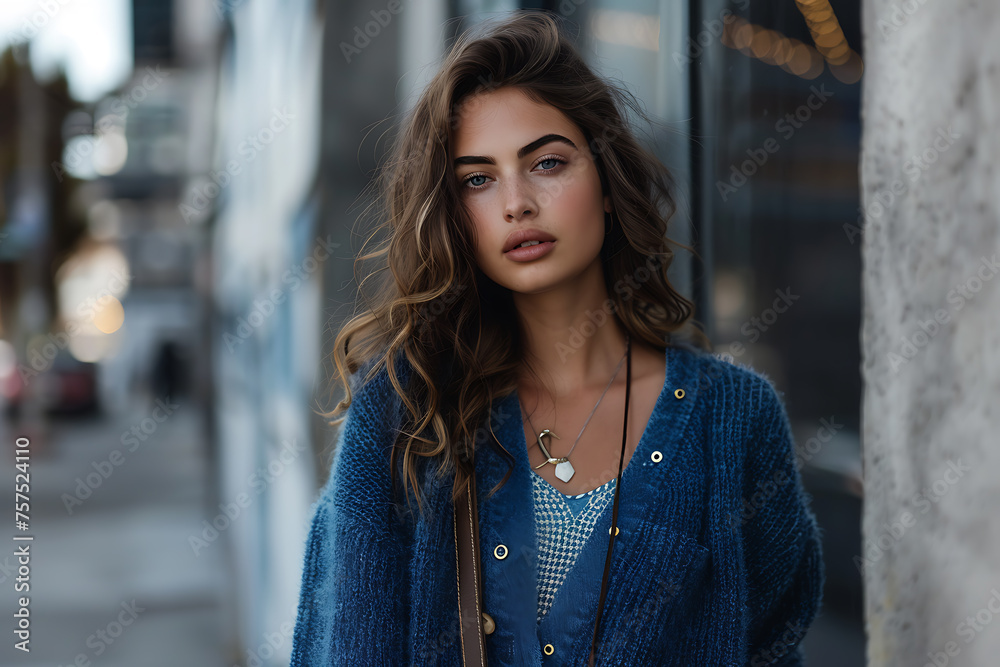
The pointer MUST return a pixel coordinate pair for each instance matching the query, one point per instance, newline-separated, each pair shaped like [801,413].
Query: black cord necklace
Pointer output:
[614,511]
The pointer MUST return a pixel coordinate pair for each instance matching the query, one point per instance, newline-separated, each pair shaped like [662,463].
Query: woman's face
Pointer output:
[524,167]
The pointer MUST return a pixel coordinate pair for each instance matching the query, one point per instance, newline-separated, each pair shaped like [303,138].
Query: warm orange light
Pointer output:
[838,55]
[825,28]
[783,50]
[819,15]
[800,61]
[772,47]
[762,43]
[850,71]
[743,36]
[816,66]
[110,315]
[829,38]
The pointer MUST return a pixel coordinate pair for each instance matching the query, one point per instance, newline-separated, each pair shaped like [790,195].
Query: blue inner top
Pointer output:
[565,524]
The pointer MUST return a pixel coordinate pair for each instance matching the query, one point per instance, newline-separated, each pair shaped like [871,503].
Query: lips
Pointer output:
[522,235]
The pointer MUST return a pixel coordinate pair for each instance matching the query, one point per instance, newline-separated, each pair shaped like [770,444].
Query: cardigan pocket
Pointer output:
[656,590]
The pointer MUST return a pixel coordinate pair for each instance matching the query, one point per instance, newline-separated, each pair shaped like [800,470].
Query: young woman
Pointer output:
[523,328]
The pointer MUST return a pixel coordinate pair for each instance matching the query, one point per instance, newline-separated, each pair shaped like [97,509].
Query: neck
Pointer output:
[572,339]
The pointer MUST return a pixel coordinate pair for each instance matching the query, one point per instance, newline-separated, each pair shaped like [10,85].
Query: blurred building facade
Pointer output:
[39,227]
[259,195]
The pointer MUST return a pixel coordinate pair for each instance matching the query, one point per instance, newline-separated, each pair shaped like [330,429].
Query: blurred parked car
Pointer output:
[11,386]
[69,386]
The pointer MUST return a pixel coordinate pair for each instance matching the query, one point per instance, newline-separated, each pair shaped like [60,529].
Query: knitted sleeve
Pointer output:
[353,603]
[782,548]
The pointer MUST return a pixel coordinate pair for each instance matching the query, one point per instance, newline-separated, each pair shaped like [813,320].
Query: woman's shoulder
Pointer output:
[750,394]
[371,385]
[717,369]
[371,421]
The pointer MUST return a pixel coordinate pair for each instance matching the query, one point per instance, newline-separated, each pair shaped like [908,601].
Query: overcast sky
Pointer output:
[91,39]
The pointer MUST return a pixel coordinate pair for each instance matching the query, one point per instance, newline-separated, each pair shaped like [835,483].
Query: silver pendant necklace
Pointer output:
[564,469]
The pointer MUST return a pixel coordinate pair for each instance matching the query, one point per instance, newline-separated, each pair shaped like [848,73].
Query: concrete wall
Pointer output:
[931,332]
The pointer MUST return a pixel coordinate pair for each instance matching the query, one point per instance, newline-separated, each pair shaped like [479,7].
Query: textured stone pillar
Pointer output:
[931,331]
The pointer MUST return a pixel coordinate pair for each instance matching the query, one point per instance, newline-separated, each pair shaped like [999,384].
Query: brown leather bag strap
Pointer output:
[470,586]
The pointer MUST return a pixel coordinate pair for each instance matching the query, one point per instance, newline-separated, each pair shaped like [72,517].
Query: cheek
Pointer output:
[479,213]
[579,201]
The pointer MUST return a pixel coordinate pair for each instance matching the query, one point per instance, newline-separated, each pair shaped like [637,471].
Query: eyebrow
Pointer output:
[521,152]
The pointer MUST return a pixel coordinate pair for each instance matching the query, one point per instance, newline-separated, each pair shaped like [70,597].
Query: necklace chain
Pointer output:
[592,412]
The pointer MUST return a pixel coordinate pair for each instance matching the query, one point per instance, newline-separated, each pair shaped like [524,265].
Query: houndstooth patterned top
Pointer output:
[563,525]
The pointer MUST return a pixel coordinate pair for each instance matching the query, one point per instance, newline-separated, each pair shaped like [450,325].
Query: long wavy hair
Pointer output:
[429,300]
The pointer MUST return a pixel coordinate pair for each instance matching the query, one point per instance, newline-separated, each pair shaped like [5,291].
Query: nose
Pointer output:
[519,202]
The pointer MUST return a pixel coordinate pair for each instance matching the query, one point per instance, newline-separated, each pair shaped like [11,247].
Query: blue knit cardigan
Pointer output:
[718,560]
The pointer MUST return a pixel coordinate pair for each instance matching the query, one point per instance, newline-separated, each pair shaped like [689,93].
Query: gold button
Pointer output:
[616,530]
[657,456]
[489,625]
[679,393]
[500,551]
[549,649]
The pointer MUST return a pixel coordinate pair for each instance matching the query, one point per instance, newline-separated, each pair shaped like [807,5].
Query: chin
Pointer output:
[539,282]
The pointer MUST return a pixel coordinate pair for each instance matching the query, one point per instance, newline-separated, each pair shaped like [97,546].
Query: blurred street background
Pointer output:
[179,185]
